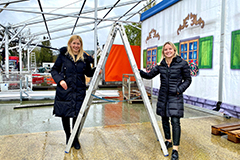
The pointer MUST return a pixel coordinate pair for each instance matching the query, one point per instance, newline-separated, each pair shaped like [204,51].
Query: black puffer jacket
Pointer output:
[175,78]
[68,102]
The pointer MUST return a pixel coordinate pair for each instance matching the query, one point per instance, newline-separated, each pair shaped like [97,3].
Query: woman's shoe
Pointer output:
[174,155]
[76,144]
[168,144]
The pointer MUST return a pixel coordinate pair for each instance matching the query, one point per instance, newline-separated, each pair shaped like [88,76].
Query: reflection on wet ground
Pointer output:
[40,119]
[111,131]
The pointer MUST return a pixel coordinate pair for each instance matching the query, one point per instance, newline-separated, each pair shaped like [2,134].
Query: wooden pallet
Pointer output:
[133,95]
[231,129]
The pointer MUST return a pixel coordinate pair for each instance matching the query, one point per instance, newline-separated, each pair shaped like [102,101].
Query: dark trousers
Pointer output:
[176,129]
[67,127]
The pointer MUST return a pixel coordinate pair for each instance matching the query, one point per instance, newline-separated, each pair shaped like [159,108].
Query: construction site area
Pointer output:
[117,119]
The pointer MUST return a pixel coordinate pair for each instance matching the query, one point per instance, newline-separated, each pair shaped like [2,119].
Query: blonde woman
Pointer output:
[175,79]
[69,73]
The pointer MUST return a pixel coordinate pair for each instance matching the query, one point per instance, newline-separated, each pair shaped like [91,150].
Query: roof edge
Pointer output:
[157,8]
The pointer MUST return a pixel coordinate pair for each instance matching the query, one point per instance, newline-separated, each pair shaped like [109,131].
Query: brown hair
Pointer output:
[80,54]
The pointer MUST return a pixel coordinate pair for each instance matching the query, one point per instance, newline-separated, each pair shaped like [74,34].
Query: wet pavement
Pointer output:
[111,131]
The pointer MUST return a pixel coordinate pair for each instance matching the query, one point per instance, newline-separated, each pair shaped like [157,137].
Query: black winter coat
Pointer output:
[68,102]
[175,78]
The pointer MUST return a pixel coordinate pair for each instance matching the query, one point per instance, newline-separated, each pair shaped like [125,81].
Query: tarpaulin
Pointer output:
[118,63]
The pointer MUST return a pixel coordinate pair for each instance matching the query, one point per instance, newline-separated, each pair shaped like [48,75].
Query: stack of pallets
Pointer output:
[231,129]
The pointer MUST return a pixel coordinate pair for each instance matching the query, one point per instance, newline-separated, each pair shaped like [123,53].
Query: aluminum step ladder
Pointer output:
[95,81]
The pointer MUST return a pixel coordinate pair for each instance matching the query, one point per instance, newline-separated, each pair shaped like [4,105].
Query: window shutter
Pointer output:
[159,54]
[177,46]
[144,58]
[205,52]
[235,50]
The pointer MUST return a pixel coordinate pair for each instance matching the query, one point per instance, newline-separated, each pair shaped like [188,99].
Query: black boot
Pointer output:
[76,143]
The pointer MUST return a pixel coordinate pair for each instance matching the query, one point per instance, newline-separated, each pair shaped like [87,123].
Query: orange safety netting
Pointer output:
[118,63]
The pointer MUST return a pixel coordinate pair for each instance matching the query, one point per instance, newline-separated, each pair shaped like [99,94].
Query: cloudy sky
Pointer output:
[63,27]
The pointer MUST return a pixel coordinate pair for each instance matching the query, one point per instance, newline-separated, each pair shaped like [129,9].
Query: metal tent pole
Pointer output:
[95,35]
[6,52]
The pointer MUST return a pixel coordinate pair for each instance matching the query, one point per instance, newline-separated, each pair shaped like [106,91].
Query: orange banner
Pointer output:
[118,63]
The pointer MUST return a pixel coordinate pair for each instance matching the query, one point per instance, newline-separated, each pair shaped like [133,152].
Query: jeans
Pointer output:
[176,129]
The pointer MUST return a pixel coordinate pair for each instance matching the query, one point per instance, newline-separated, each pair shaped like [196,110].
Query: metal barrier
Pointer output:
[11,81]
[130,89]
[16,82]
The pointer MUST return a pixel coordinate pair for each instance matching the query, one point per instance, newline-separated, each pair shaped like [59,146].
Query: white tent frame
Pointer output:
[93,20]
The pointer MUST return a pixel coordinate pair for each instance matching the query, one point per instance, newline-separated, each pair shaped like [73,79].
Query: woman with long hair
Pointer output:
[175,79]
[69,72]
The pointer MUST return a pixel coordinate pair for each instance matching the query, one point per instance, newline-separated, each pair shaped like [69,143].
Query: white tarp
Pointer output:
[231,77]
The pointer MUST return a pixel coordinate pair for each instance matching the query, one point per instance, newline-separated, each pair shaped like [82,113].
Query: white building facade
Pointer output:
[207,35]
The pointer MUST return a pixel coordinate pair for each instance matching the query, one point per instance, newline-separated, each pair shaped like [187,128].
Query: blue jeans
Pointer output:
[176,129]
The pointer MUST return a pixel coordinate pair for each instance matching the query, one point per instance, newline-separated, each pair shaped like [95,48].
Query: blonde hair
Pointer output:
[69,49]
[174,48]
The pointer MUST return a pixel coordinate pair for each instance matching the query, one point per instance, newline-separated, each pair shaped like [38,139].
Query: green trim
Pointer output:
[177,46]
[205,52]
[144,58]
[159,54]
[235,50]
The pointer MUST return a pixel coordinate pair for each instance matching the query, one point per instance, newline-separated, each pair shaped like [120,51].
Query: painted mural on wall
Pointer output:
[191,19]
[151,53]
[208,38]
[197,51]
[235,50]
[152,34]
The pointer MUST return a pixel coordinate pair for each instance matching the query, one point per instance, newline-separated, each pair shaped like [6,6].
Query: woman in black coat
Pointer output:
[69,73]
[175,79]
